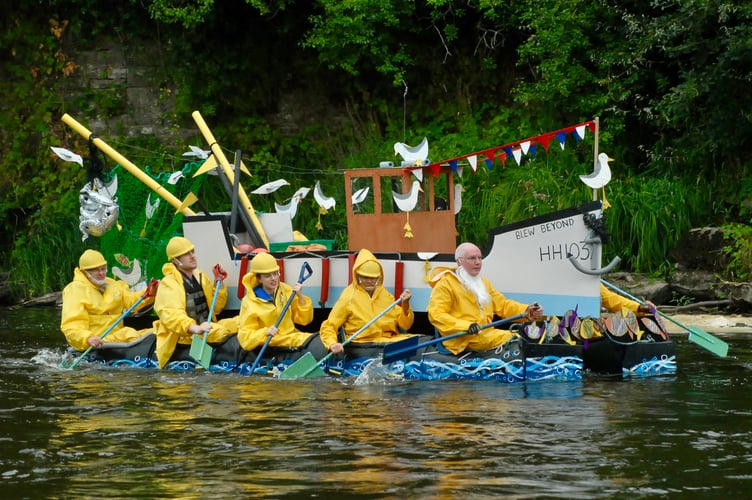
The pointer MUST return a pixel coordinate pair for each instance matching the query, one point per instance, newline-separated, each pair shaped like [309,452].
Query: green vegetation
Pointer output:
[669,80]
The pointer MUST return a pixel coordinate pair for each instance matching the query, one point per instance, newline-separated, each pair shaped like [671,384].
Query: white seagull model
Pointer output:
[325,202]
[458,190]
[291,208]
[602,174]
[67,155]
[270,187]
[406,202]
[360,195]
[197,152]
[415,155]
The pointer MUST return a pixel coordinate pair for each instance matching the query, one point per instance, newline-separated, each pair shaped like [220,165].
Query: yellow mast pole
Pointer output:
[595,153]
[130,167]
[230,174]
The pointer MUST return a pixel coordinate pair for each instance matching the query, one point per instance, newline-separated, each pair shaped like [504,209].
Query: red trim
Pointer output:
[399,275]
[243,270]
[324,281]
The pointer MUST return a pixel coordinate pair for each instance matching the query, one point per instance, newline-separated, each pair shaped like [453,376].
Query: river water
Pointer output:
[97,432]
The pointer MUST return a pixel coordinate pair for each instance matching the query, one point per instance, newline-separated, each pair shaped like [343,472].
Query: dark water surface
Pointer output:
[129,433]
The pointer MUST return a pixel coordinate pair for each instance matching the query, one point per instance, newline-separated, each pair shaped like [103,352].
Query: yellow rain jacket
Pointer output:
[452,308]
[170,305]
[88,312]
[257,315]
[613,302]
[355,308]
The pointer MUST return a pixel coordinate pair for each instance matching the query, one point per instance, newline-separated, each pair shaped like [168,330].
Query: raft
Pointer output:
[520,359]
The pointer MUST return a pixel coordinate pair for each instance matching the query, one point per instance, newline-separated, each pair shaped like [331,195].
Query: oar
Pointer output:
[305,273]
[112,326]
[696,335]
[200,350]
[409,347]
[307,366]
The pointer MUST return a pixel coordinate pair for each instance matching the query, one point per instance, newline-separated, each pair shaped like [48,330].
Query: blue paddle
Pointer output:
[305,273]
[111,327]
[409,347]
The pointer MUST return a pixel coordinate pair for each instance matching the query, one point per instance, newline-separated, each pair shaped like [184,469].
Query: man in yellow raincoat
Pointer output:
[261,307]
[92,302]
[462,300]
[184,299]
[360,302]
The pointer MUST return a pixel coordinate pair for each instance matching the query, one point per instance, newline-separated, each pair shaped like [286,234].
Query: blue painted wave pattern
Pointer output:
[554,368]
[662,365]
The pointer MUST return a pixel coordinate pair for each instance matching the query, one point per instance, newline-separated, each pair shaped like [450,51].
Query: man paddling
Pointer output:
[183,301]
[92,302]
[462,300]
[360,302]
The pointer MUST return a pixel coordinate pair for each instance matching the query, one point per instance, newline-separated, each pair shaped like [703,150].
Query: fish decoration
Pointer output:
[587,329]
[653,327]
[615,325]
[552,328]
[533,331]
[99,208]
[632,324]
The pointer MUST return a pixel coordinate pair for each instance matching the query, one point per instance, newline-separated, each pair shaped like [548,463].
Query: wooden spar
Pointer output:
[595,153]
[130,167]
[230,174]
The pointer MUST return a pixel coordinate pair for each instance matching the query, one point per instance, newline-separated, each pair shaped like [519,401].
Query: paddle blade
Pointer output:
[707,341]
[400,350]
[201,352]
[305,367]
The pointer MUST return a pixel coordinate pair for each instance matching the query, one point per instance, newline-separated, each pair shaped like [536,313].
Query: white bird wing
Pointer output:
[301,193]
[67,155]
[406,202]
[132,275]
[458,189]
[197,152]
[290,208]
[360,195]
[270,187]
[412,153]
[326,202]
[602,174]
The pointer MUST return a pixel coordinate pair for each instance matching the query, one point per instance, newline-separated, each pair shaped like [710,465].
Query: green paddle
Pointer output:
[111,327]
[696,335]
[200,350]
[307,366]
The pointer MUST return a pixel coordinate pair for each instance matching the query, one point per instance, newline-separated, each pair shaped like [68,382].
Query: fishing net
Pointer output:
[135,247]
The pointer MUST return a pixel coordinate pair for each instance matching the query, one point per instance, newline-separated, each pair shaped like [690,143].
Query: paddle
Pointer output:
[696,335]
[305,273]
[307,366]
[409,347]
[111,327]
[200,351]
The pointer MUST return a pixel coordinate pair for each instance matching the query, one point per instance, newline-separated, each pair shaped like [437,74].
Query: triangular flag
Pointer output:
[532,151]
[473,161]
[208,165]
[187,202]
[517,155]
[561,137]
[418,173]
[453,165]
[580,131]
[525,146]
[544,141]
[459,170]
[489,163]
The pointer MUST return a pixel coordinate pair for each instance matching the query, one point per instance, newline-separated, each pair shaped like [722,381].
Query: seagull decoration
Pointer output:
[291,208]
[458,190]
[132,273]
[406,203]
[270,187]
[197,152]
[324,202]
[360,195]
[67,155]
[412,154]
[600,177]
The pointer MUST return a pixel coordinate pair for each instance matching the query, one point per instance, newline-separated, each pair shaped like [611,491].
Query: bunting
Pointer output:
[515,150]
